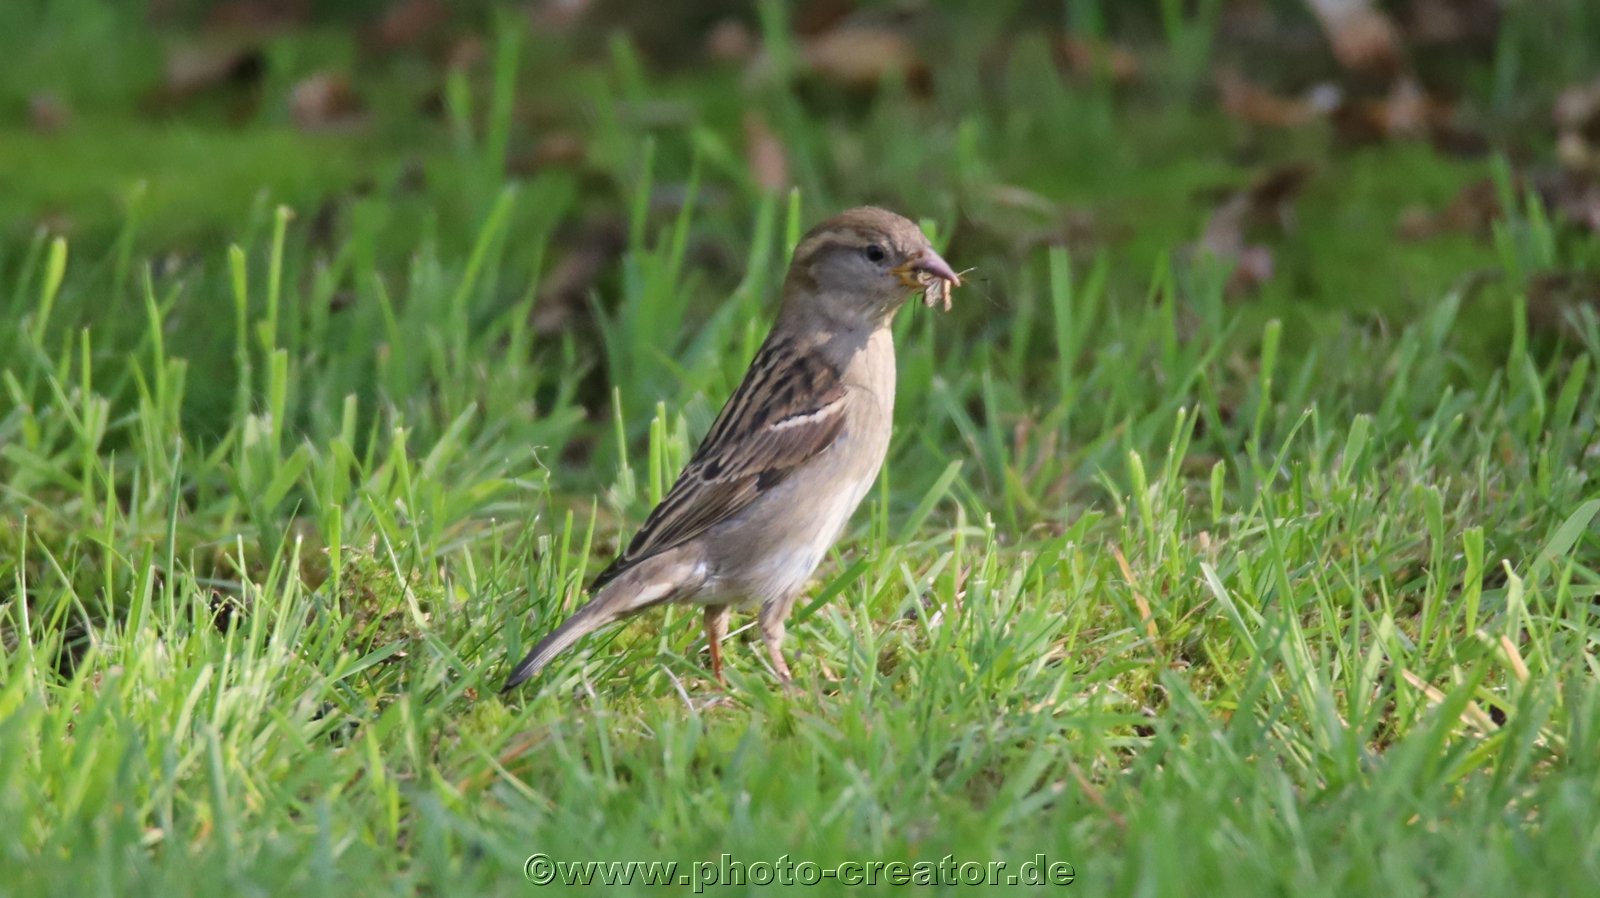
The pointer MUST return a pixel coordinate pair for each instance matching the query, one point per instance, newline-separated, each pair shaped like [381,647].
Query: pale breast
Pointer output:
[768,552]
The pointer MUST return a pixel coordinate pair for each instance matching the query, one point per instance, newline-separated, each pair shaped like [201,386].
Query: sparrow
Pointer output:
[792,453]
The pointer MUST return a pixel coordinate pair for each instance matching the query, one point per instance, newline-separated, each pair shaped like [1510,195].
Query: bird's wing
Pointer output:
[789,408]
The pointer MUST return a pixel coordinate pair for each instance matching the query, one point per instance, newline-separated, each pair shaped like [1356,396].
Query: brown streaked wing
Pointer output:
[789,407]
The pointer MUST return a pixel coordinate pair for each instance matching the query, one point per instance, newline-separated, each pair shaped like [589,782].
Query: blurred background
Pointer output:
[559,213]
[595,199]
[1249,480]
[1342,149]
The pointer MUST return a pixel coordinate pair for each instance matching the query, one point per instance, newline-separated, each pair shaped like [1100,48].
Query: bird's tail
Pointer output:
[586,620]
[650,582]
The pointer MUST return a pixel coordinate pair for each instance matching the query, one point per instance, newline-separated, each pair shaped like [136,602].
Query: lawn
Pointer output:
[1186,574]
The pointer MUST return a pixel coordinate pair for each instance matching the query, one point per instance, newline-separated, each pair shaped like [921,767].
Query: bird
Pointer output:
[790,456]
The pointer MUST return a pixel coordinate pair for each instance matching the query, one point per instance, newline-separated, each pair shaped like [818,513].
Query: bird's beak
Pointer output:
[932,275]
[920,270]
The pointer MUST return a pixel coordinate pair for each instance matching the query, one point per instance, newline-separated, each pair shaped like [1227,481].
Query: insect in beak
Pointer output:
[931,274]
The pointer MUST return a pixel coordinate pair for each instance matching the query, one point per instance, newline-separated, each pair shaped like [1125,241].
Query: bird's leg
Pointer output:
[772,631]
[716,628]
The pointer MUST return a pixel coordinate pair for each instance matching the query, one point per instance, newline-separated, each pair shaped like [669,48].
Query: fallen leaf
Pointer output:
[1408,112]
[816,16]
[1472,211]
[730,40]
[466,52]
[1578,109]
[1246,102]
[862,56]
[1577,118]
[1093,58]
[1571,197]
[1223,236]
[325,101]
[258,18]
[1266,204]
[1363,37]
[1273,193]
[1453,22]
[765,155]
[409,22]
[555,16]
[193,68]
[1574,152]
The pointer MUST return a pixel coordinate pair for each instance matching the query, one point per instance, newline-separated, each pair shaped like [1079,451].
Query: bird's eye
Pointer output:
[874,253]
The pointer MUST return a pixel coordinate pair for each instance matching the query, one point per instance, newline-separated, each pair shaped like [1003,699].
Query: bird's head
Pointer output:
[858,267]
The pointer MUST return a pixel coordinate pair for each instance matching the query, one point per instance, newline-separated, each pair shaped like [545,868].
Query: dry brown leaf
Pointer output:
[1407,113]
[730,40]
[862,55]
[1223,238]
[192,68]
[1572,197]
[1273,193]
[1090,58]
[1453,22]
[816,16]
[550,16]
[326,101]
[1266,204]
[409,22]
[1577,117]
[764,154]
[1574,152]
[258,17]
[1578,109]
[466,52]
[1244,101]
[1363,37]
[1472,211]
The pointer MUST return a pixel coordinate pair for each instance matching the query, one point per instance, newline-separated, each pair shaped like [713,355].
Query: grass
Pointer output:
[1199,596]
